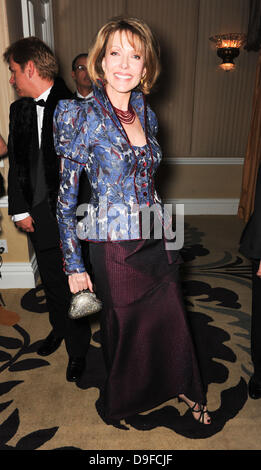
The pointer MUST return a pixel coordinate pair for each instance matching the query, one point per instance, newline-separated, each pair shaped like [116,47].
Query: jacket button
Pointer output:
[144,185]
[142,153]
[145,194]
[143,174]
[145,164]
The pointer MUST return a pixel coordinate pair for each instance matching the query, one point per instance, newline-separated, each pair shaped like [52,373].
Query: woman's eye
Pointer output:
[136,56]
[114,53]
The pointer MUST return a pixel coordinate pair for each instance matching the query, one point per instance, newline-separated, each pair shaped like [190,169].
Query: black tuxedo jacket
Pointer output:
[250,242]
[23,144]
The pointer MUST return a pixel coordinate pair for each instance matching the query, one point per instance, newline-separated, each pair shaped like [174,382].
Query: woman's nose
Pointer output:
[124,62]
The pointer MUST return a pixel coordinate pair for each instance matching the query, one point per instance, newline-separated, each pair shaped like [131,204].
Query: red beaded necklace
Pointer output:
[125,117]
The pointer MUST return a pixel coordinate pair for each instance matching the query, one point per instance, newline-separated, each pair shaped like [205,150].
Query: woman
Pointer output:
[147,345]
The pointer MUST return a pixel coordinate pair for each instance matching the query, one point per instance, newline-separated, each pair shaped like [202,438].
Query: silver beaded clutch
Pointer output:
[84,303]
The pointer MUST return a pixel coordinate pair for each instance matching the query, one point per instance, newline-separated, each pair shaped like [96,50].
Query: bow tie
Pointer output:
[40,103]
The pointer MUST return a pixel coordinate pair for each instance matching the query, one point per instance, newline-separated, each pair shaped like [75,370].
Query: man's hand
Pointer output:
[3,147]
[80,281]
[26,224]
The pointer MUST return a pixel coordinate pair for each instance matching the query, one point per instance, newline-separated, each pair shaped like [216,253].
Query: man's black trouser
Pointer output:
[256,321]
[77,333]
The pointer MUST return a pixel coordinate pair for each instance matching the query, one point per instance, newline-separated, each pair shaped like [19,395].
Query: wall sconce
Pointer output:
[228,48]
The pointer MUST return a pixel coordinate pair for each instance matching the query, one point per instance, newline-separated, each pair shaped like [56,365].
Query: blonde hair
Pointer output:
[136,28]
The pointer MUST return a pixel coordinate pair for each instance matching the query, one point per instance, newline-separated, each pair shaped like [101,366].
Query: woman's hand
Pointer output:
[80,281]
[259,270]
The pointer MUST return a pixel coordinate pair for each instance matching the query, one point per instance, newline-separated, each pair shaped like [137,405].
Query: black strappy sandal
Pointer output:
[200,410]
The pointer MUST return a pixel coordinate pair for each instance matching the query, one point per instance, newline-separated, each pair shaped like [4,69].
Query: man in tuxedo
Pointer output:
[80,76]
[33,184]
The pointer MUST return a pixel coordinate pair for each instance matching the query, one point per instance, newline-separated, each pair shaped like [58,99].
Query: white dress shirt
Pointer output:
[40,114]
[83,97]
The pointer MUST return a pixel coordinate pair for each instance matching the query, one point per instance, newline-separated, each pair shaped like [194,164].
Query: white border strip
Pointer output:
[206,206]
[203,161]
[19,275]
[4,201]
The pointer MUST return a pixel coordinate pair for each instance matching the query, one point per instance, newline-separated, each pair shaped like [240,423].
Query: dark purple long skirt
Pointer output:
[146,340]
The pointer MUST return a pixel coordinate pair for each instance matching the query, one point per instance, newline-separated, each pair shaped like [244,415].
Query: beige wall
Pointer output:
[11,29]
[18,248]
[202,181]
[14,19]
[75,25]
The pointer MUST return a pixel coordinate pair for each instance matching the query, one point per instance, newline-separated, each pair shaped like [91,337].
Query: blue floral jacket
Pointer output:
[89,137]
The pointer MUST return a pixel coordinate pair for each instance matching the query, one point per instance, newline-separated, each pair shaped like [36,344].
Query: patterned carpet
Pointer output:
[40,410]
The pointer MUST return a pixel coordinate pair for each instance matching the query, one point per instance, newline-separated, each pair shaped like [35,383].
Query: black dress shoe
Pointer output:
[49,345]
[254,389]
[75,368]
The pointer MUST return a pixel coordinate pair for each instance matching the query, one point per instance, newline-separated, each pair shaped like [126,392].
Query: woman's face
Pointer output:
[123,63]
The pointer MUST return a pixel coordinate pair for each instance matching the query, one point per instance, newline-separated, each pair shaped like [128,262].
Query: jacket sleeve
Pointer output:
[16,201]
[152,121]
[71,143]
[71,130]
